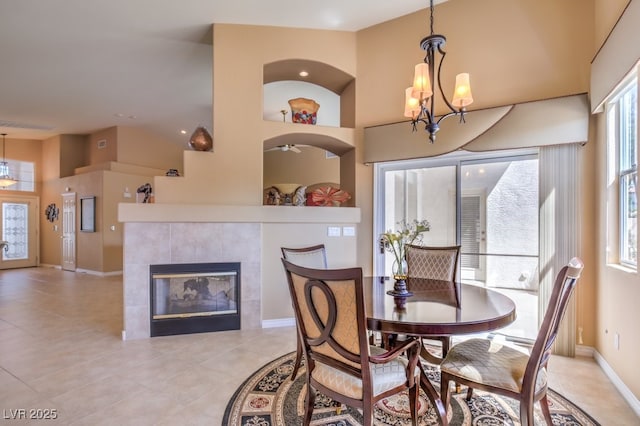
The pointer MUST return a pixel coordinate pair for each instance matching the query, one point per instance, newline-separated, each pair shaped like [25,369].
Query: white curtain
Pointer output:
[559,229]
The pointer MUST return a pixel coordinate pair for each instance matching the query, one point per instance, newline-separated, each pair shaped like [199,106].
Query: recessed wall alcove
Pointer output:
[323,152]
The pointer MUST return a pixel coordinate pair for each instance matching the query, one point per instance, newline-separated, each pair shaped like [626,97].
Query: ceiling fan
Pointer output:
[287,147]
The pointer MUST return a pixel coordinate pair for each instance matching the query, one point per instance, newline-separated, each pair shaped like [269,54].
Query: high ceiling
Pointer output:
[77,66]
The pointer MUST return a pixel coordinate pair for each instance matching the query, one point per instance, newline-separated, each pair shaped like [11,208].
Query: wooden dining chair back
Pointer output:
[426,263]
[436,263]
[329,309]
[310,257]
[509,370]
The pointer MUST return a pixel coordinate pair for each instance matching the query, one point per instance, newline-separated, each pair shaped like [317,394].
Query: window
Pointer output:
[622,132]
[23,171]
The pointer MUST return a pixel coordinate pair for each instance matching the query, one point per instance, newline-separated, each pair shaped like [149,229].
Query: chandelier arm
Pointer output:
[451,114]
[444,97]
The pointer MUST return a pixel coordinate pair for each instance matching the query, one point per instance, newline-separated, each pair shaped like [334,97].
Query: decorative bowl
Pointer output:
[304,110]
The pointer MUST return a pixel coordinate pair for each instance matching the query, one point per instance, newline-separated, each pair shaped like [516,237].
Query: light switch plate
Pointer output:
[349,231]
[333,231]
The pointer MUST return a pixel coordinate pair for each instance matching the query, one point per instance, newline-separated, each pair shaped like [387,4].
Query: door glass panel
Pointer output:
[499,223]
[419,194]
[15,231]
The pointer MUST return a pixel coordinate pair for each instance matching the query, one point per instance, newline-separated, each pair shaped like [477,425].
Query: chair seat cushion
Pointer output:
[383,376]
[491,363]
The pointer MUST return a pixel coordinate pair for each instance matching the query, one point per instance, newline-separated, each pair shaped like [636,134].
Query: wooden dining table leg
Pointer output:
[433,396]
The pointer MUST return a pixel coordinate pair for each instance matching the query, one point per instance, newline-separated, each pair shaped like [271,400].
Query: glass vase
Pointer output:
[399,269]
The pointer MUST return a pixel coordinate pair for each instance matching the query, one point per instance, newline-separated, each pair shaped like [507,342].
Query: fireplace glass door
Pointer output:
[192,298]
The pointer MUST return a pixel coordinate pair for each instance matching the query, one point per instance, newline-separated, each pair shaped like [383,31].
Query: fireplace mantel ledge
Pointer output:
[206,213]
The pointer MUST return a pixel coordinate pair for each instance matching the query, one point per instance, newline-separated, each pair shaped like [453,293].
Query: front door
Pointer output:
[69,231]
[19,246]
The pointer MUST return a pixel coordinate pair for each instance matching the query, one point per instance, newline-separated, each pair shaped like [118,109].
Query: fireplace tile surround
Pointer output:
[165,243]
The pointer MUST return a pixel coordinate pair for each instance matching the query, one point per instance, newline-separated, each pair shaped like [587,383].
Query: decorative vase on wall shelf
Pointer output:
[304,110]
[201,140]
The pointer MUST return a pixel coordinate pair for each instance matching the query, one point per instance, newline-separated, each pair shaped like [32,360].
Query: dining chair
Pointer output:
[310,257]
[426,263]
[509,370]
[330,313]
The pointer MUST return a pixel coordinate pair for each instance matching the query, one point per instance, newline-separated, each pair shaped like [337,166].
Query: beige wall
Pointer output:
[607,13]
[97,155]
[73,153]
[137,146]
[513,51]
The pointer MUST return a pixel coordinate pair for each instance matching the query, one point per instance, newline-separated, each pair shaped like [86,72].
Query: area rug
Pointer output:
[269,398]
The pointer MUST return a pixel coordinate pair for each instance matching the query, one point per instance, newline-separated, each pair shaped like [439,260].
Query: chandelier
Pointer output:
[5,178]
[420,99]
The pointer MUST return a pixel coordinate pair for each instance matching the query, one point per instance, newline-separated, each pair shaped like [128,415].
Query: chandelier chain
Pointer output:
[431,19]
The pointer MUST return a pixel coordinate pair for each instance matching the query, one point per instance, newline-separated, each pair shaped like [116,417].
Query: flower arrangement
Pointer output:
[394,242]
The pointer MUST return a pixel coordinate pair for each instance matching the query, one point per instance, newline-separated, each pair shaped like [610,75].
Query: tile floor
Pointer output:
[60,349]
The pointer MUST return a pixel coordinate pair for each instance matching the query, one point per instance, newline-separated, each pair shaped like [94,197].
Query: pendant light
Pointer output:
[5,178]
[420,98]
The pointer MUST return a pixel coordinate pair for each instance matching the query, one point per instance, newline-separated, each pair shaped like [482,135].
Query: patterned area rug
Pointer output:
[269,398]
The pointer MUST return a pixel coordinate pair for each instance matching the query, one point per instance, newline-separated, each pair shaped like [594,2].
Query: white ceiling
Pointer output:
[77,66]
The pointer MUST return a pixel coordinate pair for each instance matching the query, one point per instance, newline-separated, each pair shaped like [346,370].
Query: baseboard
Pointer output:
[282,322]
[84,271]
[46,265]
[99,273]
[617,382]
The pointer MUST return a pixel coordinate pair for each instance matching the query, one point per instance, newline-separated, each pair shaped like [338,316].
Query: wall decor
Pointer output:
[201,140]
[144,193]
[51,212]
[88,214]
[304,110]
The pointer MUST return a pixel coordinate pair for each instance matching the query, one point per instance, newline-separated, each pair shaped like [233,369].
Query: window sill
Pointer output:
[622,268]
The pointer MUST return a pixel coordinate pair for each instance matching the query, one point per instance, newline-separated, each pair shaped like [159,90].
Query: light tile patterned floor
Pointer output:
[60,349]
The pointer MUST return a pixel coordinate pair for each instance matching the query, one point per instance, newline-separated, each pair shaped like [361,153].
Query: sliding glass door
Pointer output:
[486,203]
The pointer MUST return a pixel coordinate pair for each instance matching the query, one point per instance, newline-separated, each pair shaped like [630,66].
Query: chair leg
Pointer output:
[444,393]
[526,414]
[310,399]
[414,402]
[296,364]
[544,404]
[469,393]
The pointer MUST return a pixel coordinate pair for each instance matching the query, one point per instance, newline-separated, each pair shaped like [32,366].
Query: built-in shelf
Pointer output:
[207,213]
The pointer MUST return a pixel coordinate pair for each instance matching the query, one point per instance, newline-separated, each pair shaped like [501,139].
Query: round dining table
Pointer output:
[435,308]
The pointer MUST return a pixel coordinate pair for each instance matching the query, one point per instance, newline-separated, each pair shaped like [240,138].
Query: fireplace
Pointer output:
[194,298]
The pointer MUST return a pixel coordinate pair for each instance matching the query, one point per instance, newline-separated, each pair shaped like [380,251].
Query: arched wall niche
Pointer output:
[311,165]
[321,74]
